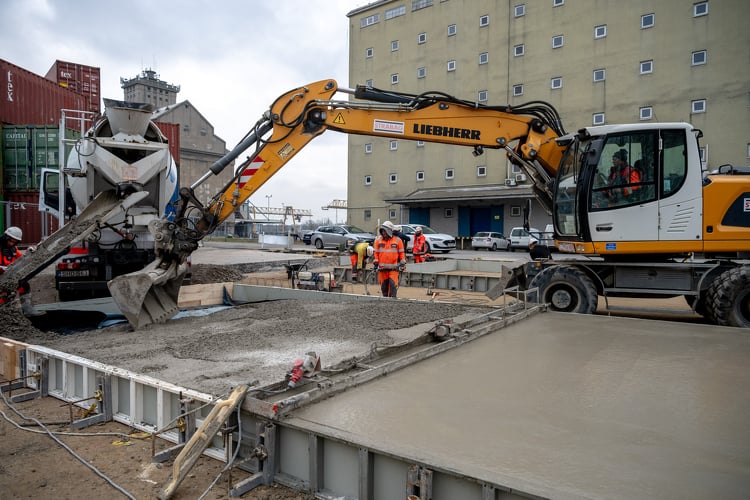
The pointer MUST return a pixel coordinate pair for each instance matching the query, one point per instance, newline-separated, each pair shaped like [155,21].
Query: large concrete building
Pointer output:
[596,61]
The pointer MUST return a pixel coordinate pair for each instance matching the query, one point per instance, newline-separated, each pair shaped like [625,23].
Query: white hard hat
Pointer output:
[533,241]
[397,227]
[14,232]
[370,251]
[418,229]
[388,227]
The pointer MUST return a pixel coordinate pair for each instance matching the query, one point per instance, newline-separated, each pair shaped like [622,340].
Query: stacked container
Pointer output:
[79,78]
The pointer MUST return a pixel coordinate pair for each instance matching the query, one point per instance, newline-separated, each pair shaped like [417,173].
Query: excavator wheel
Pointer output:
[728,298]
[566,289]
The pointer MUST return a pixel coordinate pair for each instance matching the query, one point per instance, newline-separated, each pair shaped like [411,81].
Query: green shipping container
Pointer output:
[26,150]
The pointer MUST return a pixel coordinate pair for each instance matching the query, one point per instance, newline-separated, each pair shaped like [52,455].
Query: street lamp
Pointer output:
[268,207]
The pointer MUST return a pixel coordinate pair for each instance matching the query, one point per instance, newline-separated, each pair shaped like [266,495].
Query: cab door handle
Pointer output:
[604,227]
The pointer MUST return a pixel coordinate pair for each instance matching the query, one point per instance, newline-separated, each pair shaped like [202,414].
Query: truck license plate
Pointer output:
[74,274]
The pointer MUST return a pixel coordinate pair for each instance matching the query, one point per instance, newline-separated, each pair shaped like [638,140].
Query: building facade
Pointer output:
[148,88]
[597,62]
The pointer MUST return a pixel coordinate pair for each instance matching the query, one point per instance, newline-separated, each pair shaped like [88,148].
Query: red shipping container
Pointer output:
[30,98]
[172,132]
[79,78]
[22,209]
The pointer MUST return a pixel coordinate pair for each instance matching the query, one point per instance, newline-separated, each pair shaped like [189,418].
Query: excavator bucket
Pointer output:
[149,295]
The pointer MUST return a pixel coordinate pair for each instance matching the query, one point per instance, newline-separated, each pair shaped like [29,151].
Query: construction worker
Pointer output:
[398,232]
[537,251]
[420,245]
[9,253]
[389,259]
[359,252]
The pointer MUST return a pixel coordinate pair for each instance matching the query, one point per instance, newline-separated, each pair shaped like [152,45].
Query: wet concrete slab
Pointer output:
[567,406]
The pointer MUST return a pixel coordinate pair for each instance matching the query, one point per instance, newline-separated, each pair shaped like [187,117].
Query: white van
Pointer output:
[519,238]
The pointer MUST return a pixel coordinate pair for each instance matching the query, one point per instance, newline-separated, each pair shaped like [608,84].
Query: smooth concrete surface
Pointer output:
[567,406]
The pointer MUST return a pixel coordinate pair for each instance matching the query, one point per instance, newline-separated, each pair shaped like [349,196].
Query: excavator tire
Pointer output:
[566,289]
[728,298]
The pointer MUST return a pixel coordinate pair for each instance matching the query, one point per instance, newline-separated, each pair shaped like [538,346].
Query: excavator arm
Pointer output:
[528,133]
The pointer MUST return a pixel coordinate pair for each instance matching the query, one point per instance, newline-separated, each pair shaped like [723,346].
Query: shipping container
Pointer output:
[172,132]
[79,78]
[26,149]
[30,98]
[22,210]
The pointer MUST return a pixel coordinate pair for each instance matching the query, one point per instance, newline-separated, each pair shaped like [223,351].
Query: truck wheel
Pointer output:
[566,289]
[319,244]
[728,298]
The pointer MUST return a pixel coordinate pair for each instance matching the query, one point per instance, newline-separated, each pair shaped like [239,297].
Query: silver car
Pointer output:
[490,240]
[337,235]
[436,242]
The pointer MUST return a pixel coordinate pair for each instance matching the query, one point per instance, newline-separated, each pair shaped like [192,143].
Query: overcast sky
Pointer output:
[231,59]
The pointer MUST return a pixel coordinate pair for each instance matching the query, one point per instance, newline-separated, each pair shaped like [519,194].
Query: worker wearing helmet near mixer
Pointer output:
[359,252]
[9,253]
[389,259]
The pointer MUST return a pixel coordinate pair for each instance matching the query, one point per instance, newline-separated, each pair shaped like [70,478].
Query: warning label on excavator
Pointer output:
[339,119]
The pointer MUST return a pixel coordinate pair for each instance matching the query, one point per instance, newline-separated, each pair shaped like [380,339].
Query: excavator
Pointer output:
[669,230]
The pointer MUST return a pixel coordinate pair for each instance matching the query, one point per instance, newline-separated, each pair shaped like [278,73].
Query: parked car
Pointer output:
[436,242]
[337,235]
[306,235]
[519,238]
[490,240]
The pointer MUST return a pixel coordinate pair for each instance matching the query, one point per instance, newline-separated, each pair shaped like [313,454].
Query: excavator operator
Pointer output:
[389,259]
[359,252]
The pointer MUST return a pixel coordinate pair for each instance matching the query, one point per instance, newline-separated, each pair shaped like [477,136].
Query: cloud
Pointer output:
[230,58]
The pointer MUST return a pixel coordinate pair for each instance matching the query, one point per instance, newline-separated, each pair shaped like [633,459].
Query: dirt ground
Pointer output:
[249,343]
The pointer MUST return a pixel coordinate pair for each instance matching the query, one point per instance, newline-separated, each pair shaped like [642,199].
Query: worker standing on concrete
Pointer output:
[420,245]
[389,259]
[359,252]
[9,253]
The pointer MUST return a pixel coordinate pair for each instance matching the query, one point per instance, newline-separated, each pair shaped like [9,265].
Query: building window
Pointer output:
[481,171]
[369,20]
[646,113]
[748,150]
[451,65]
[368,180]
[518,50]
[394,79]
[557,41]
[597,119]
[557,3]
[699,57]
[392,178]
[368,214]
[420,4]
[517,89]
[556,82]
[484,20]
[700,9]
[484,58]
[703,155]
[600,31]
[393,145]
[369,52]
[422,38]
[698,106]
[394,45]
[599,75]
[369,83]
[482,96]
[395,12]
[392,214]
[420,176]
[420,144]
[368,148]
[647,21]
[450,173]
[448,213]
[451,29]
[647,67]
[515,211]
[421,72]
[519,10]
